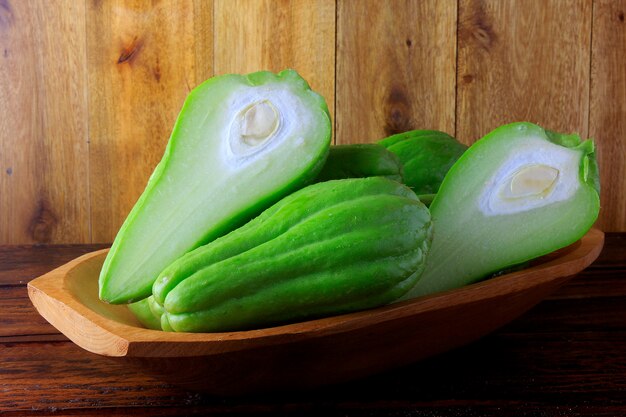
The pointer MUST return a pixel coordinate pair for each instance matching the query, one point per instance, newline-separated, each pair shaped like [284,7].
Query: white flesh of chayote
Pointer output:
[263,120]
[537,174]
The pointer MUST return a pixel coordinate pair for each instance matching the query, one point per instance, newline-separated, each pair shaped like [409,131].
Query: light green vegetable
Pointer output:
[330,248]
[240,143]
[361,161]
[141,310]
[426,155]
[518,193]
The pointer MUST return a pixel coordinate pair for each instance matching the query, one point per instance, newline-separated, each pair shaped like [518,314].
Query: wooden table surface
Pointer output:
[566,357]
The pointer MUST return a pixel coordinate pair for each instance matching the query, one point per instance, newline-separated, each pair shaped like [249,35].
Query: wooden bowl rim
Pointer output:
[133,341]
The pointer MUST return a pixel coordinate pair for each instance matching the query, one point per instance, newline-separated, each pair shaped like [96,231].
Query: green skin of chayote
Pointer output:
[426,155]
[360,161]
[330,248]
[143,313]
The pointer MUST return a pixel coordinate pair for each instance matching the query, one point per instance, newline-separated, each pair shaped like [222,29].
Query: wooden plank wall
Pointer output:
[89,90]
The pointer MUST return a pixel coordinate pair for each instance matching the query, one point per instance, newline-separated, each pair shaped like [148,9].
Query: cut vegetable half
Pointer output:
[519,193]
[240,143]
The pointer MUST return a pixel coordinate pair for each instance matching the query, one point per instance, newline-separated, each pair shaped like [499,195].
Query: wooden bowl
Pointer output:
[306,354]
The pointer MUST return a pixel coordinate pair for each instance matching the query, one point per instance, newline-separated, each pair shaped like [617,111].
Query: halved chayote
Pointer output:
[240,143]
[516,194]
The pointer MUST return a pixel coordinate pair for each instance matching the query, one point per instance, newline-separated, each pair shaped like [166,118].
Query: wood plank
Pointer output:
[143,58]
[46,376]
[585,368]
[253,35]
[43,129]
[395,68]
[20,264]
[607,120]
[600,314]
[567,353]
[382,408]
[19,317]
[594,282]
[523,61]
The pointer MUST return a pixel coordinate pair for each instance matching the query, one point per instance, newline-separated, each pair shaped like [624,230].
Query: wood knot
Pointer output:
[484,35]
[409,43]
[620,16]
[477,28]
[9,171]
[42,223]
[468,78]
[129,53]
[156,71]
[397,112]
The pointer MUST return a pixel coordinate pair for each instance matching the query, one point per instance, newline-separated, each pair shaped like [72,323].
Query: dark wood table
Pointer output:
[566,357]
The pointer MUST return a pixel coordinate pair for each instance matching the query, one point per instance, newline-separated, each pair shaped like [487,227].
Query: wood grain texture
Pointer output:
[565,357]
[143,58]
[20,264]
[70,371]
[43,128]
[19,317]
[517,371]
[607,119]
[90,89]
[523,61]
[253,35]
[395,68]
[512,370]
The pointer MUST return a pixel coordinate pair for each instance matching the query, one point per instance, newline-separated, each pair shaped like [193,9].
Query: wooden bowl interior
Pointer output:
[81,285]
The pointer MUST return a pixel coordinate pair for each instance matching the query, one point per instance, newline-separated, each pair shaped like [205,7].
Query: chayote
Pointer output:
[426,155]
[518,193]
[332,247]
[360,161]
